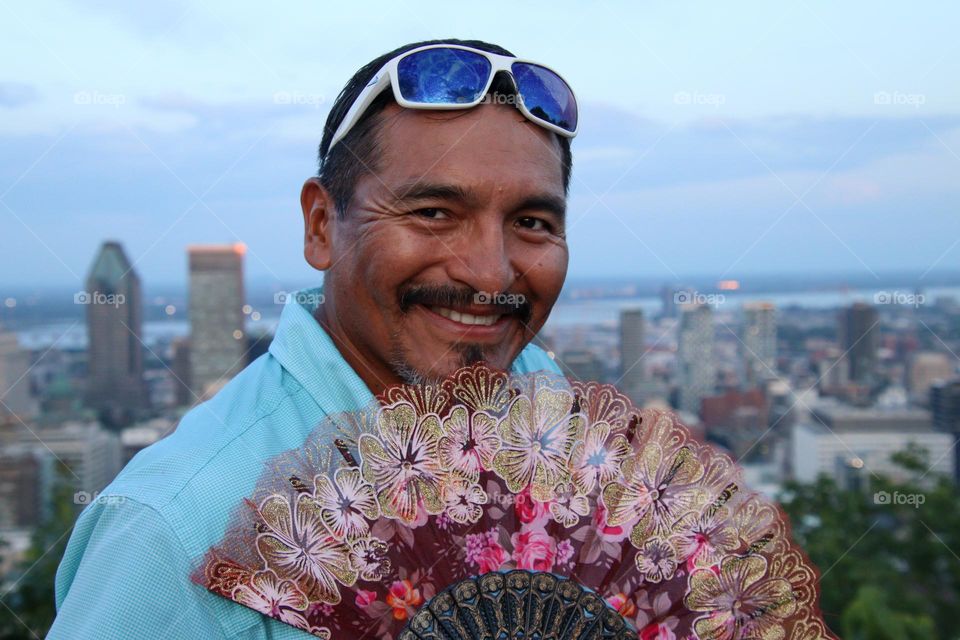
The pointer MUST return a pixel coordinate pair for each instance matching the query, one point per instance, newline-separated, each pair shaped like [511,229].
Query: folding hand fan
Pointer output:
[504,506]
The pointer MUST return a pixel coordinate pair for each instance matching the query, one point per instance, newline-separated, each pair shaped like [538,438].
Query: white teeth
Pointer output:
[465,318]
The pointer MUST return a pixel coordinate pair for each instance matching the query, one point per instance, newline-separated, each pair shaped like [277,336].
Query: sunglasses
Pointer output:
[446,76]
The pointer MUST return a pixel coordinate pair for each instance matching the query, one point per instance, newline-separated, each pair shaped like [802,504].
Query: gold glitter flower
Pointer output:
[595,459]
[403,463]
[469,442]
[740,601]
[537,440]
[298,546]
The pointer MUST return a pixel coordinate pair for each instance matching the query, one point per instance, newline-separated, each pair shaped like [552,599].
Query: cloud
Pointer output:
[698,198]
[17,94]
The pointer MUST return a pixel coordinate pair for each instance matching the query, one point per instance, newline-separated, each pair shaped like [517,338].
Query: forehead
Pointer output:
[488,145]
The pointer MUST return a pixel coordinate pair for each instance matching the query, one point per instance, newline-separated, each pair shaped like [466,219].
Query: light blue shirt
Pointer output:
[126,570]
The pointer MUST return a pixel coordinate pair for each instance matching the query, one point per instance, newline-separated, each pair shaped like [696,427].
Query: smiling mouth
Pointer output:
[470,319]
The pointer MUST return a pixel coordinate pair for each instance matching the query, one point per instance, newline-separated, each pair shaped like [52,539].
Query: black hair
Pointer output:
[355,154]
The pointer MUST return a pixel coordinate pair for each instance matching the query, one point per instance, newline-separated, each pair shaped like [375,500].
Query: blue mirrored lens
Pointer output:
[546,95]
[443,76]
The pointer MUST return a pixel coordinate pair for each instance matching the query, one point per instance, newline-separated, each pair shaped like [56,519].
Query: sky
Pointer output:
[730,139]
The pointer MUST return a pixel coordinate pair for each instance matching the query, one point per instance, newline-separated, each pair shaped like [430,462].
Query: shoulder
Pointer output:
[205,434]
[197,477]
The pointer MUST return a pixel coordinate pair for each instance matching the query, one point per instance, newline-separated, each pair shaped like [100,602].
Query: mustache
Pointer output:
[438,295]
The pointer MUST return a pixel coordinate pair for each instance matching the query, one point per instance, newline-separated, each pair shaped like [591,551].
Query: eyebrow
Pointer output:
[419,190]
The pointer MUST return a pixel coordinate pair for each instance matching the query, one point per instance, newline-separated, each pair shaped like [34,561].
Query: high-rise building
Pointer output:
[672,299]
[759,342]
[26,479]
[632,348]
[859,335]
[217,338]
[696,368]
[945,409]
[15,400]
[113,299]
[582,364]
[926,367]
[180,372]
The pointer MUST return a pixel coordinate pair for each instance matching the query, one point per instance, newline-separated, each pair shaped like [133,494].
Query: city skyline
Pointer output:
[779,143]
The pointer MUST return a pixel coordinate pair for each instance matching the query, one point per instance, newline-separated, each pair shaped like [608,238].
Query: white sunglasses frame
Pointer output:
[387,76]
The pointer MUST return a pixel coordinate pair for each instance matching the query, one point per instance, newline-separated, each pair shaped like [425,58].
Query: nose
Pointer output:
[481,260]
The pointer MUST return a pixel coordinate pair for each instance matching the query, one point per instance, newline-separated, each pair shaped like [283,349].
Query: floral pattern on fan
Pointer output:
[352,534]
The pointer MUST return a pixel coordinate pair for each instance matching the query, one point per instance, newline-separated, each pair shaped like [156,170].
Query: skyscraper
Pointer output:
[114,304]
[14,380]
[632,369]
[696,369]
[217,339]
[926,367]
[859,335]
[759,341]
[945,411]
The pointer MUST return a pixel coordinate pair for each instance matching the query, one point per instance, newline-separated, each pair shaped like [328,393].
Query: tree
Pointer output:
[888,556]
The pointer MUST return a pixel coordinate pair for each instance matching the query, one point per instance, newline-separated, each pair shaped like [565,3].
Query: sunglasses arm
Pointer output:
[370,92]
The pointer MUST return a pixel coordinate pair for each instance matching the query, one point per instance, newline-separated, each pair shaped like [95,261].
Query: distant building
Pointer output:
[696,369]
[26,481]
[217,336]
[14,380]
[859,333]
[582,364]
[718,410]
[114,305]
[180,372]
[927,367]
[633,370]
[90,454]
[738,420]
[833,371]
[759,342]
[138,437]
[851,456]
[672,299]
[945,408]
[850,443]
[843,417]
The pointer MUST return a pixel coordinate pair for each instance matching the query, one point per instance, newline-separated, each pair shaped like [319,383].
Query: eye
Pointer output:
[431,213]
[534,224]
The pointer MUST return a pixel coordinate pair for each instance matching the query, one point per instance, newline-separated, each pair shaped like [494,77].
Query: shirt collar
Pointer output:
[308,353]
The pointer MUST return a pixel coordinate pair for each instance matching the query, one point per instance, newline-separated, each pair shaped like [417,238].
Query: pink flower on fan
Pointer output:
[485,552]
[365,597]
[613,534]
[657,631]
[565,554]
[529,510]
[491,558]
[533,550]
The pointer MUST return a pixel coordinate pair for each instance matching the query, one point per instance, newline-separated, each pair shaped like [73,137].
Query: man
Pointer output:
[440,230]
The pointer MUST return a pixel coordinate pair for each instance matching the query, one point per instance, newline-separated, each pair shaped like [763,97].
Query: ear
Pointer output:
[318,214]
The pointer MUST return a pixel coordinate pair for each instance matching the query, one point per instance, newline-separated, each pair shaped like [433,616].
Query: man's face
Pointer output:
[454,251]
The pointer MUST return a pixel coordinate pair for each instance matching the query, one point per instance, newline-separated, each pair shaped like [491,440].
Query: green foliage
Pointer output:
[871,617]
[888,555]
[28,610]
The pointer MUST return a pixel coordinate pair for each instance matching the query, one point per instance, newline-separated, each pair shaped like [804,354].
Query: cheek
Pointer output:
[383,259]
[546,275]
